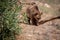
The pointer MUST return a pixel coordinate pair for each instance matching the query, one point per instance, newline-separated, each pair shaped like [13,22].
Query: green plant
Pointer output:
[25,18]
[8,19]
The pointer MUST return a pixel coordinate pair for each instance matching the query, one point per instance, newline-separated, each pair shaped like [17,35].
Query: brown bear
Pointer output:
[33,14]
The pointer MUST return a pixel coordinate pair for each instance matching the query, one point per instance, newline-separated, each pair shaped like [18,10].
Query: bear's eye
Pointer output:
[36,14]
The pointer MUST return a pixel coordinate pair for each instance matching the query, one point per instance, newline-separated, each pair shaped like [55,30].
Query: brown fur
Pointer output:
[33,15]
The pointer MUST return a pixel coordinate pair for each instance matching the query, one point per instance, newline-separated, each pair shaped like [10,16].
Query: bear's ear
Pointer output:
[36,7]
[32,3]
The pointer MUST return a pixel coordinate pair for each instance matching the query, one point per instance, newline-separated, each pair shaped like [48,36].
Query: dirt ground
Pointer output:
[47,31]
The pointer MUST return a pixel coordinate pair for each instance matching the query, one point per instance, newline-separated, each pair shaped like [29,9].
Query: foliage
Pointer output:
[8,19]
[25,18]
